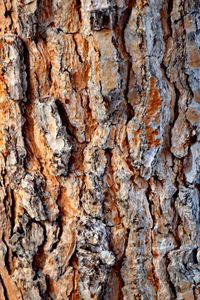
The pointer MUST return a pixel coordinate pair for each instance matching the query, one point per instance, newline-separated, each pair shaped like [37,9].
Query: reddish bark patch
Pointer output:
[80,77]
[152,118]
[152,277]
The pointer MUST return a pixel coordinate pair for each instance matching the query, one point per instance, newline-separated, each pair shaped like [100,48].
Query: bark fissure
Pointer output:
[99,149]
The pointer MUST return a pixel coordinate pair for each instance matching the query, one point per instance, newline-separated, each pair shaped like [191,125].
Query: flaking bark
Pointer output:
[99,149]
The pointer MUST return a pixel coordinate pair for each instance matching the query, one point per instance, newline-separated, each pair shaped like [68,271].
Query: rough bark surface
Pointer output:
[99,149]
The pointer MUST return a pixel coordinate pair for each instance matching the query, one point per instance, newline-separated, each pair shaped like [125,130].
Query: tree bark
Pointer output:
[99,149]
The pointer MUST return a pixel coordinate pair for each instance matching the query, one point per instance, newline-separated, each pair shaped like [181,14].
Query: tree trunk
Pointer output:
[99,149]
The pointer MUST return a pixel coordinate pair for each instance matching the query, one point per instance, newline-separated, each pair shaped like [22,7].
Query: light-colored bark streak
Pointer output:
[99,150]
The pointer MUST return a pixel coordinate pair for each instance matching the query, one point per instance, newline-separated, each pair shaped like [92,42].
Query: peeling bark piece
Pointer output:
[12,61]
[25,242]
[56,263]
[183,280]
[108,61]
[49,121]
[52,12]
[180,137]
[188,210]
[95,163]
[99,150]
[30,195]
[94,257]
[192,165]
[39,83]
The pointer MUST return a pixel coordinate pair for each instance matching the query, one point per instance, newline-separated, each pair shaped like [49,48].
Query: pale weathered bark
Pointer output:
[99,149]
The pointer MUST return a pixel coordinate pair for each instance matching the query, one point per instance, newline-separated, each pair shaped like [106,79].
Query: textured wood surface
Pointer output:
[99,149]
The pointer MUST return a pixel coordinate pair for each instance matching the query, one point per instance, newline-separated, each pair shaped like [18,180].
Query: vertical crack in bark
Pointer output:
[4,289]
[99,135]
